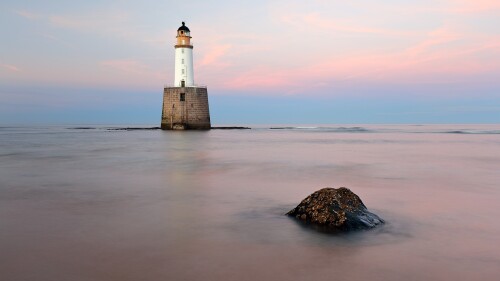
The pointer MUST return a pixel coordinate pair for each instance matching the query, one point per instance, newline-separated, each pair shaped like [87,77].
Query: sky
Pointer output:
[264,62]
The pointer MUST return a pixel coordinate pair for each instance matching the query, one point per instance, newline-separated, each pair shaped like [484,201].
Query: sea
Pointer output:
[84,203]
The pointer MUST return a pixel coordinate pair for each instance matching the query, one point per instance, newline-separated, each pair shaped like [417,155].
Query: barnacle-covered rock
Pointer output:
[333,209]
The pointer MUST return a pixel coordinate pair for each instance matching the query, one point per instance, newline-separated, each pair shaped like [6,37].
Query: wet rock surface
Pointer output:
[335,210]
[231,128]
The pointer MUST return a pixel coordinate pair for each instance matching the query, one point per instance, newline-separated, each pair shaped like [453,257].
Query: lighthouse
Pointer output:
[184,74]
[185,105]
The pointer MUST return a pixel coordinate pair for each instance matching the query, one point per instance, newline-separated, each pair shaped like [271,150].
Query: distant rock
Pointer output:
[335,210]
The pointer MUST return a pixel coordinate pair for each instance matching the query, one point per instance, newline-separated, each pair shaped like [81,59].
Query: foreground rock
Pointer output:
[335,210]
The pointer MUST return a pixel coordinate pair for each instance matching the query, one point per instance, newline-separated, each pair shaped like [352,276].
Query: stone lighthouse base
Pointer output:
[185,108]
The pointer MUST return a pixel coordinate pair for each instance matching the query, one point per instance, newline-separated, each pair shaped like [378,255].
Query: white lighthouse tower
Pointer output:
[185,106]
[184,74]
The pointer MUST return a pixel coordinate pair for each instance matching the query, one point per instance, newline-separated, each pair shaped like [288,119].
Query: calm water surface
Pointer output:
[92,204]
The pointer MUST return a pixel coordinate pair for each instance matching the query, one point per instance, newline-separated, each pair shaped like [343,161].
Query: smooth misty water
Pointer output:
[94,204]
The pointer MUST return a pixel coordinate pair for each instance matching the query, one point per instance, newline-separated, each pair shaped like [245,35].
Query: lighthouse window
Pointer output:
[182,97]
[182,61]
[182,50]
[183,71]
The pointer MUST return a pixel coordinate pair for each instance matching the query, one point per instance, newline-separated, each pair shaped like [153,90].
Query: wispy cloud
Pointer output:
[315,21]
[10,67]
[28,15]
[435,58]
[126,65]
[292,46]
[56,39]
[213,55]
[90,21]
[258,79]
[109,22]
[477,6]
[102,20]
[133,72]
[437,37]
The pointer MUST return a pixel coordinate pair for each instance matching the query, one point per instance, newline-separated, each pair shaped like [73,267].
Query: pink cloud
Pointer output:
[259,78]
[10,67]
[129,72]
[212,57]
[28,15]
[99,21]
[56,39]
[112,22]
[445,52]
[317,21]
[436,58]
[436,37]
[467,6]
[296,46]
[126,65]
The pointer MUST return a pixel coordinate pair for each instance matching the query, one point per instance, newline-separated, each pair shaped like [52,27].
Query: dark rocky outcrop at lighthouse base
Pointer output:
[116,128]
[231,128]
[335,210]
[133,129]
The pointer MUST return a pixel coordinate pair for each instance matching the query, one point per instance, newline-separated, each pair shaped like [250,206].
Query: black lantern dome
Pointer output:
[183,27]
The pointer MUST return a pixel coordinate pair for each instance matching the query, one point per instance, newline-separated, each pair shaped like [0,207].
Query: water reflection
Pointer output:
[150,205]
